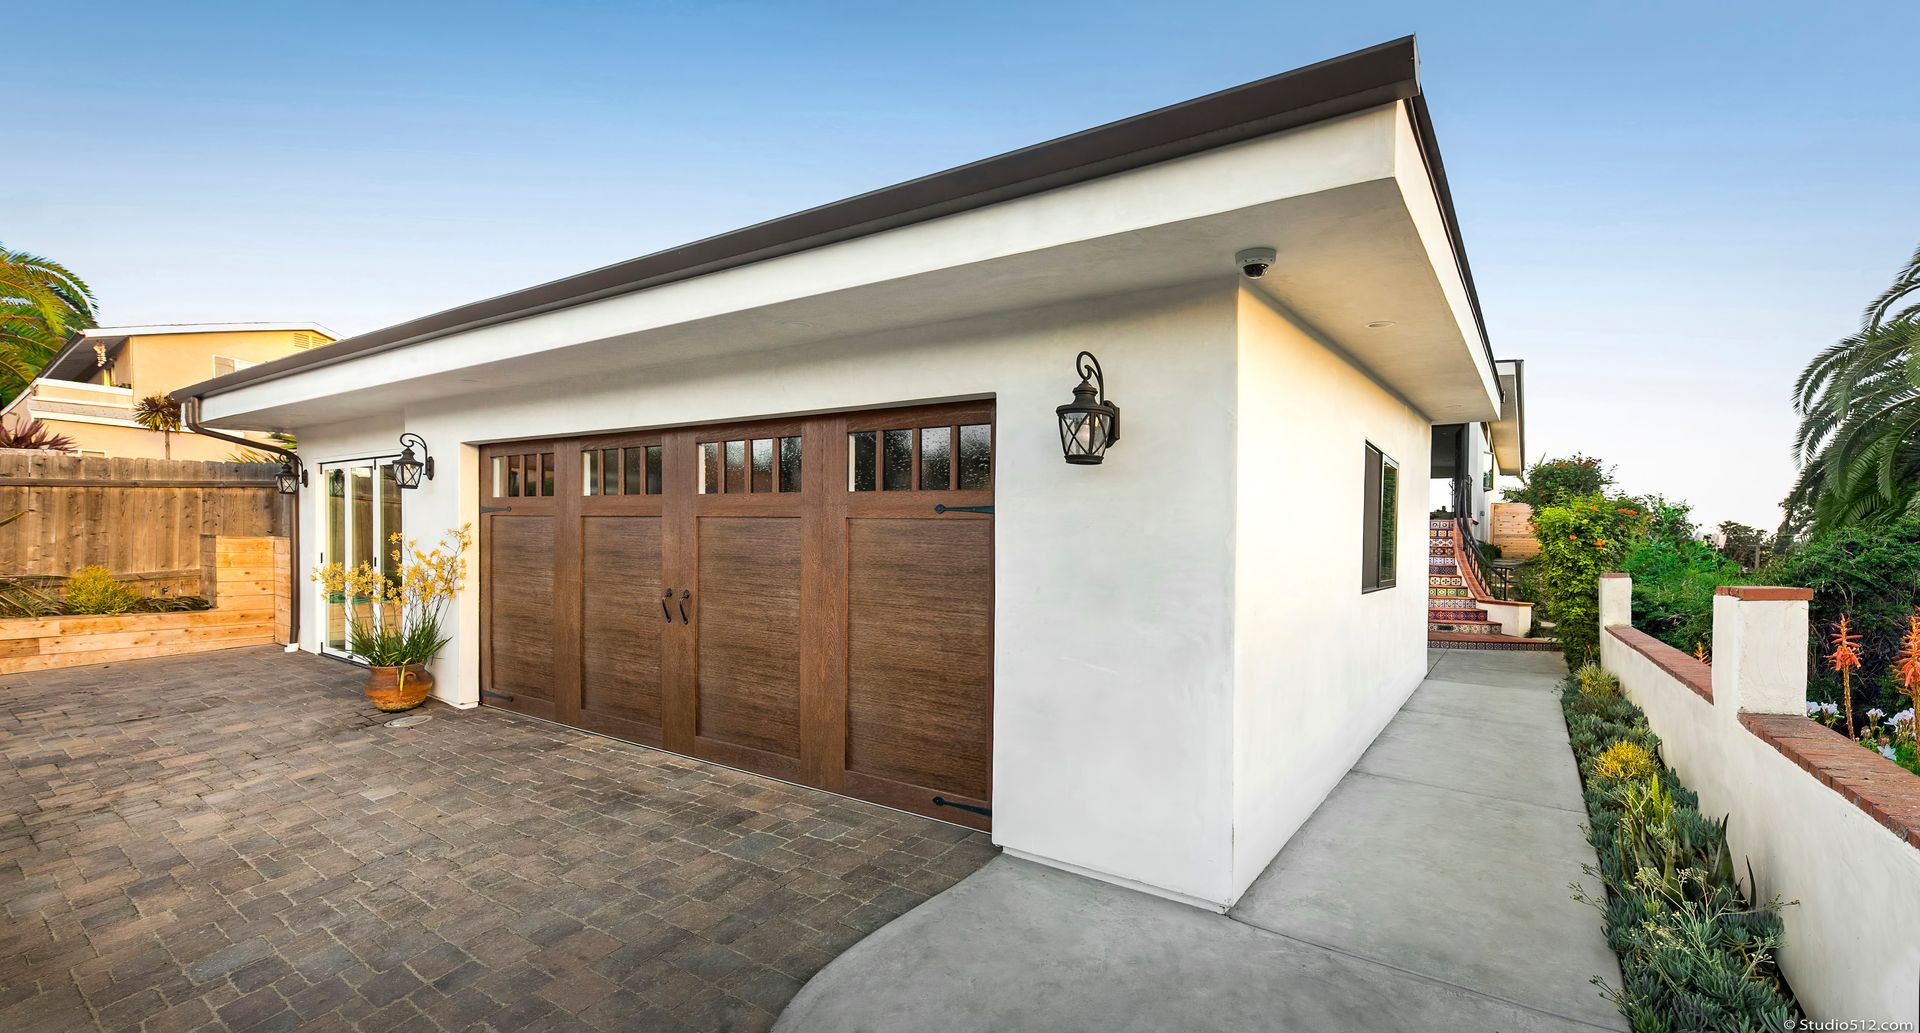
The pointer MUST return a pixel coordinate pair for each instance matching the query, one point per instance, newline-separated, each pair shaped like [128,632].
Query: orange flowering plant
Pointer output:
[1906,665]
[1581,537]
[1845,658]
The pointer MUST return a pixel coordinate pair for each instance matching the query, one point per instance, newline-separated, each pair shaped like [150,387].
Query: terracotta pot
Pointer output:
[386,691]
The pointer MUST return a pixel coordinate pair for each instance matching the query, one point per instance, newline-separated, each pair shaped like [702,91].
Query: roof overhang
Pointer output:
[1333,165]
[1509,432]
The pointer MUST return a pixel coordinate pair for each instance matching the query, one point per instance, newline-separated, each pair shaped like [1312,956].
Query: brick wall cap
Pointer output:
[1765,593]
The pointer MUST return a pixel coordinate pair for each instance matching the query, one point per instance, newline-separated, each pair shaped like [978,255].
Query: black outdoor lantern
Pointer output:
[290,477]
[407,469]
[1089,423]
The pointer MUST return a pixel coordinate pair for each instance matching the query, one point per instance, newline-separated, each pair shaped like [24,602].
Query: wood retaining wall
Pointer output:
[245,577]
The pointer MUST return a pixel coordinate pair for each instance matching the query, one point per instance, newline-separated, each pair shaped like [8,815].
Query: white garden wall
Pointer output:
[1851,950]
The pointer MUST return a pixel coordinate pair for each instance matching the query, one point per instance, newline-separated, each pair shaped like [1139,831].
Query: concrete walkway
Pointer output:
[1429,892]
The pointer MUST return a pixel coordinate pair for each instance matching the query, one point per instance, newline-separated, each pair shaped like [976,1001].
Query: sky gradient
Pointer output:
[1668,207]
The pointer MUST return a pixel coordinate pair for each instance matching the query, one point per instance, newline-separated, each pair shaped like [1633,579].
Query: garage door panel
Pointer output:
[520,607]
[919,652]
[621,626]
[747,614]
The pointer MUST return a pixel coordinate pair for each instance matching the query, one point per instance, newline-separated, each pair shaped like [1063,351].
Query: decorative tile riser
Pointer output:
[1449,593]
[1453,581]
[1462,628]
[1518,647]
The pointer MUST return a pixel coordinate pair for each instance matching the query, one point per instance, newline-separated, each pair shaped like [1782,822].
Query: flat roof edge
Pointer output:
[1338,86]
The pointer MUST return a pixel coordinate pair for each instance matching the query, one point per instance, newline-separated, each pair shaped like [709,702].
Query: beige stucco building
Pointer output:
[88,391]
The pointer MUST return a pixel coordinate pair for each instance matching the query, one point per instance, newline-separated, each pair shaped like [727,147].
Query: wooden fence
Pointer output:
[143,519]
[1513,530]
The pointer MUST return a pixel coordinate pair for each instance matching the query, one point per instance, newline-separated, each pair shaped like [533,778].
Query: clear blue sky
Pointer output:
[1667,206]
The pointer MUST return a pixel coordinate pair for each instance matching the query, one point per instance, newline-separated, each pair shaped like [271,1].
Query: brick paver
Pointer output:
[235,841]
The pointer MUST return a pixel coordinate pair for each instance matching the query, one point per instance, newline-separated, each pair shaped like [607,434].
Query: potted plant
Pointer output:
[396,622]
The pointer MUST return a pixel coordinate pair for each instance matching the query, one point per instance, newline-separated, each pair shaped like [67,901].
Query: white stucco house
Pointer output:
[795,498]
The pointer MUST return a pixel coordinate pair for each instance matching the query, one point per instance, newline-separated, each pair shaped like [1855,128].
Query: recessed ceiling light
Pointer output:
[1380,324]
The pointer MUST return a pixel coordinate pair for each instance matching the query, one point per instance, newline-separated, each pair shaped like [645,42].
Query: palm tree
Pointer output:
[160,414]
[41,302]
[1858,444]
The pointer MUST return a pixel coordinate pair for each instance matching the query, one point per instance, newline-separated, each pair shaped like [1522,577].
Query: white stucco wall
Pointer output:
[1114,599]
[1319,666]
[1850,949]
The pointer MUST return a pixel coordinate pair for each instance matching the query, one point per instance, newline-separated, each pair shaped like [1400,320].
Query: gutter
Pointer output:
[190,418]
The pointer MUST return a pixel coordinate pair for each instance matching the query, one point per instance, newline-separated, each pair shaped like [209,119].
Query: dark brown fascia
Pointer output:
[1340,86]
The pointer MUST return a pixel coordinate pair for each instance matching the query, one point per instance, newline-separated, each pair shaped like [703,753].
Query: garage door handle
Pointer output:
[685,594]
[663,606]
[962,509]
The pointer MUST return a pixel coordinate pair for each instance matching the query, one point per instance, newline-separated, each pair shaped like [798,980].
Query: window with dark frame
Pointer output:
[1380,522]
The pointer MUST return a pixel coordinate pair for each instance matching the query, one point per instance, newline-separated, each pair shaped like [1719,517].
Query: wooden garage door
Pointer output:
[810,599]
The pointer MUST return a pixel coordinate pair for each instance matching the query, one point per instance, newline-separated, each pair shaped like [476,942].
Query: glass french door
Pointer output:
[362,515]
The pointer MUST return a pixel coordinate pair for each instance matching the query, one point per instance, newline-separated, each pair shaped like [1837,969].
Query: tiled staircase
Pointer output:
[1451,608]
[1455,618]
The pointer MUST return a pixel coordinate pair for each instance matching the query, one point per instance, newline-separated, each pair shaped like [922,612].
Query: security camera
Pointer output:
[1255,261]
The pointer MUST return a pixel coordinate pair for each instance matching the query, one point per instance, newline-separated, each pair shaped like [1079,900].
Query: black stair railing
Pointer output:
[1497,580]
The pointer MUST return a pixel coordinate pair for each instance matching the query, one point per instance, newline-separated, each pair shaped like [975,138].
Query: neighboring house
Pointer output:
[88,391]
[793,498]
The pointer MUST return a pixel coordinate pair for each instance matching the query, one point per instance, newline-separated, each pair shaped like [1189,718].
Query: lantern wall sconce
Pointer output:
[1090,422]
[407,469]
[291,478]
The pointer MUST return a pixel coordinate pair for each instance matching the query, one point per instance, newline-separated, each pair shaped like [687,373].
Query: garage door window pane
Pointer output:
[590,472]
[763,464]
[736,466]
[499,476]
[710,468]
[976,458]
[653,469]
[897,460]
[789,464]
[936,458]
[630,463]
[546,473]
[862,467]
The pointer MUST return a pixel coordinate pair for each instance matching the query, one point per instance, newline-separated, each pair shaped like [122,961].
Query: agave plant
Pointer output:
[1858,444]
[31,433]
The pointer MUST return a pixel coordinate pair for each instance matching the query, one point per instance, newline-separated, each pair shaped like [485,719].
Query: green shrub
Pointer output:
[1693,954]
[1595,680]
[1673,587]
[94,590]
[1871,574]
[1552,482]
[1580,539]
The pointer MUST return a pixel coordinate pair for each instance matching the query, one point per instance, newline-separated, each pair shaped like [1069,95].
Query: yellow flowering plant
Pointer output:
[404,620]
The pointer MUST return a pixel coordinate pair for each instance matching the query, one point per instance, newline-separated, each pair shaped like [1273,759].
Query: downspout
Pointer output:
[190,415]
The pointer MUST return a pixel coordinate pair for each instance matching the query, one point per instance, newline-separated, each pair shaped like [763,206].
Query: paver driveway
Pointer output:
[234,840]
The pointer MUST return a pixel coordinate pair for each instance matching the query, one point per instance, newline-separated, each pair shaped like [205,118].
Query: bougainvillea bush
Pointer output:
[1552,482]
